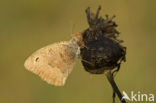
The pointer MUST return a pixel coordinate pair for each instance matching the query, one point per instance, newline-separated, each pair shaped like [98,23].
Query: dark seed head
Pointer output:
[102,50]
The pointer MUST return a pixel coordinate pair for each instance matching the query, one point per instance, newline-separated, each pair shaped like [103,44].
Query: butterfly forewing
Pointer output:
[53,63]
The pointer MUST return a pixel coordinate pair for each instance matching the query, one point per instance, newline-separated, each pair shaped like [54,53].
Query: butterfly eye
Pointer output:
[37,59]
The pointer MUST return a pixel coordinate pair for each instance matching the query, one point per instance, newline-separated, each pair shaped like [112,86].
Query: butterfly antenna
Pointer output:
[72,27]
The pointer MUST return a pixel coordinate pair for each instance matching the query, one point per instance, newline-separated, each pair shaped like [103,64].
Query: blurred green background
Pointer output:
[27,25]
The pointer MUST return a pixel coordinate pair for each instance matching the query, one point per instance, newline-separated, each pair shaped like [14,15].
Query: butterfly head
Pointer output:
[77,37]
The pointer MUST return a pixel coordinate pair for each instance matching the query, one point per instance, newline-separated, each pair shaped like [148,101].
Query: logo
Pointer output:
[138,97]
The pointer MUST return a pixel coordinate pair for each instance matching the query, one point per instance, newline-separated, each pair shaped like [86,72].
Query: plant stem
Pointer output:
[114,86]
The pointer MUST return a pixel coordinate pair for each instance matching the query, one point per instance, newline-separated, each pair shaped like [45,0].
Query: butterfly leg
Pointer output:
[87,62]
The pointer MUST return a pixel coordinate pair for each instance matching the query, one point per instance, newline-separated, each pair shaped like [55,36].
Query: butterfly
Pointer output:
[53,63]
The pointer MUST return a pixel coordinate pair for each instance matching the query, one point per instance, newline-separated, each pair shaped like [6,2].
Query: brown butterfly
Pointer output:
[53,63]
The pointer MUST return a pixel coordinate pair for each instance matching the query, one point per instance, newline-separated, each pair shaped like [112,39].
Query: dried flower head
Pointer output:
[102,50]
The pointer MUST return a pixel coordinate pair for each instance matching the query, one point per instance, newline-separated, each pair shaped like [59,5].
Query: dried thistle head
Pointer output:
[102,50]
